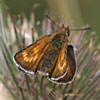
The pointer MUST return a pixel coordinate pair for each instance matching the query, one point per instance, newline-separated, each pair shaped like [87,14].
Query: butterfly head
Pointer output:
[65,30]
[68,30]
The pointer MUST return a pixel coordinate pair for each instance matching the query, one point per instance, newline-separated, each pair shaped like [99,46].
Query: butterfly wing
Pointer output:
[28,58]
[71,66]
[60,68]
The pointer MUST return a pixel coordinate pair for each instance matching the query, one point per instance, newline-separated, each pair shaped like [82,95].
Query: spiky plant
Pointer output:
[86,85]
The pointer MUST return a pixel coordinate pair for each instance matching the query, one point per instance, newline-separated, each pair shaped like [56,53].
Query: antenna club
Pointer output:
[88,28]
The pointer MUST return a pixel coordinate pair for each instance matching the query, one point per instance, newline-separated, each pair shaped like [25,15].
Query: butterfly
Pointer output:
[51,55]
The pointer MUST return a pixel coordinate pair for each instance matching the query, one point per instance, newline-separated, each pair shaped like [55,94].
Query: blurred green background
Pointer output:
[77,13]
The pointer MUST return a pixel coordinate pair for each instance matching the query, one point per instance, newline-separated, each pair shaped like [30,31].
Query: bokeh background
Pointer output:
[23,21]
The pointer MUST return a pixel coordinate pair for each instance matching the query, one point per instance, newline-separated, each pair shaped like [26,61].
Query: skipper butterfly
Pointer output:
[50,55]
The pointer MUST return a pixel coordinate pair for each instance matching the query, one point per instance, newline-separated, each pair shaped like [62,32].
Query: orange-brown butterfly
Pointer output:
[50,55]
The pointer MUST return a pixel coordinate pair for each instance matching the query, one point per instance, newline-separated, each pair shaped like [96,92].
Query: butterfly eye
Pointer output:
[68,32]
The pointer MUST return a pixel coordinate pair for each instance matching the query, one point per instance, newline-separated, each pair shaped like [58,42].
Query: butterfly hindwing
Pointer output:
[28,58]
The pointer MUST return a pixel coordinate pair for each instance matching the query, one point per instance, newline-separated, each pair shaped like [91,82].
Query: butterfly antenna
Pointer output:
[87,28]
[52,20]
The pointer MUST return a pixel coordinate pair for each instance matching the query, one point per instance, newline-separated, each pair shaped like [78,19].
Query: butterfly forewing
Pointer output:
[29,58]
[60,68]
[71,66]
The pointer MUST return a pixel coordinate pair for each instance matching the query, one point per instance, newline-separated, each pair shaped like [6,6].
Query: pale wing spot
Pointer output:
[61,68]
[35,58]
[36,51]
[24,55]
[25,58]
[39,46]
[30,59]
